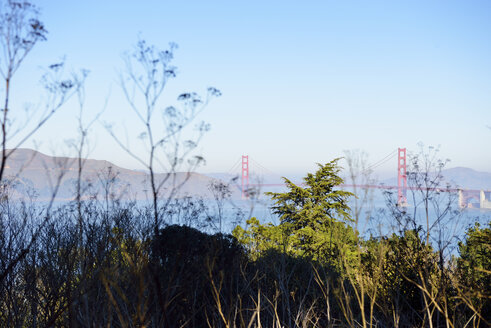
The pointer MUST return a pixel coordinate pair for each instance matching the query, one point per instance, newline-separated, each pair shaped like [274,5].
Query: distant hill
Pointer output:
[30,170]
[468,178]
[462,177]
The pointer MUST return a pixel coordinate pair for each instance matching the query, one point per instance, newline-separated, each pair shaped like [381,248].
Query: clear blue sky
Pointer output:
[301,80]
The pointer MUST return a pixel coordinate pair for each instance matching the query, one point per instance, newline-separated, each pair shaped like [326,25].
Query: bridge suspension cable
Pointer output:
[372,166]
[234,167]
[390,156]
[264,168]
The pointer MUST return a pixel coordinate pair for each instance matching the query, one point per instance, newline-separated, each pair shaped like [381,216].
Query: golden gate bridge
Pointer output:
[466,197]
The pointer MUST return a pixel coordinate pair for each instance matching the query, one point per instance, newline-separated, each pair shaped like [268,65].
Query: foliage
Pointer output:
[474,269]
[121,275]
[259,238]
[405,257]
[475,258]
[313,219]
[315,205]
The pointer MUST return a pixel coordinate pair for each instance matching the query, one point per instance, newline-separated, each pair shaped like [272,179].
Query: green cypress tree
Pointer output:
[314,216]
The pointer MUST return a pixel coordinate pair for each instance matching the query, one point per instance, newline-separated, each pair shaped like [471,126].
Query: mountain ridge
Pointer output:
[460,177]
[30,170]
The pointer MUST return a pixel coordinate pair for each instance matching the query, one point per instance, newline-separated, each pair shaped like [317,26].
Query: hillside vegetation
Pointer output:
[311,270]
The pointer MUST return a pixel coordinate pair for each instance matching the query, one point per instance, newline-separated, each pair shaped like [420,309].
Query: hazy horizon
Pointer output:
[262,175]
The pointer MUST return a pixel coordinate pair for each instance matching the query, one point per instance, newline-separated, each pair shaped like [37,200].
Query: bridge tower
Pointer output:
[245,175]
[401,177]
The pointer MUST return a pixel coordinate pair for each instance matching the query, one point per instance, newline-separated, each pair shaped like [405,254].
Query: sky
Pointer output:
[301,82]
